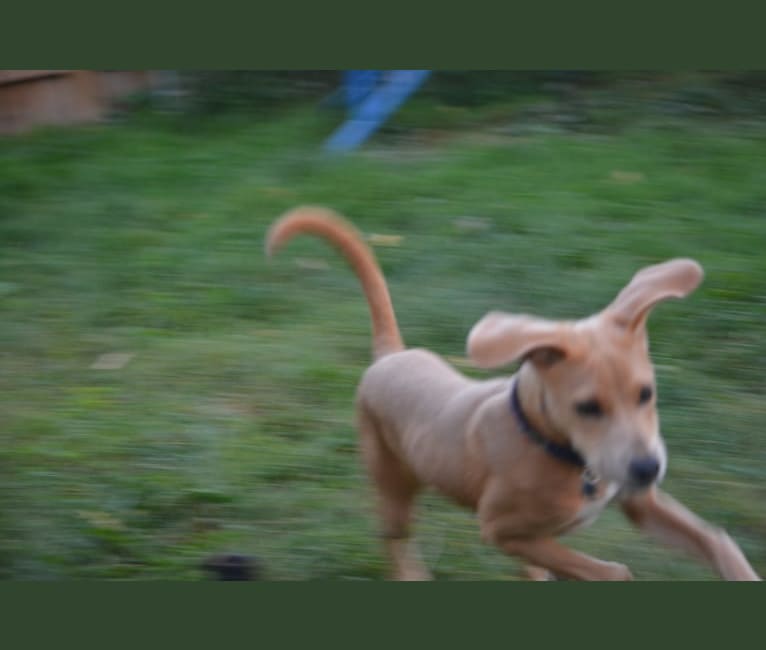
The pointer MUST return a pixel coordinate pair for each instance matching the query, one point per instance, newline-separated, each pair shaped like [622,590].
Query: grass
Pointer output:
[230,425]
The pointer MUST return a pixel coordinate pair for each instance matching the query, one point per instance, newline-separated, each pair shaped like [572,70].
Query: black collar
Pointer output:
[565,453]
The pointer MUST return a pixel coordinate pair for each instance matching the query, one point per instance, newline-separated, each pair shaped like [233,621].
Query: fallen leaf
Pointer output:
[112,361]
[459,361]
[311,264]
[99,519]
[384,240]
[472,223]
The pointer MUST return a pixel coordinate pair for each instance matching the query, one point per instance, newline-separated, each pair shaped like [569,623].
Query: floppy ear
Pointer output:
[499,339]
[673,279]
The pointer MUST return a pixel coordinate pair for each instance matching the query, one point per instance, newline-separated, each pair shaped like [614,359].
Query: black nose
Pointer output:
[644,470]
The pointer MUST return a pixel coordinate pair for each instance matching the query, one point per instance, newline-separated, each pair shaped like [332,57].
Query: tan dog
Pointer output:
[536,454]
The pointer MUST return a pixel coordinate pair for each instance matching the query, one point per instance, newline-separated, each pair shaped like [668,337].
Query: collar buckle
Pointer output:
[589,482]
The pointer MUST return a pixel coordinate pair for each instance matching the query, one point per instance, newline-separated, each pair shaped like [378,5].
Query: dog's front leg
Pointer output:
[563,561]
[664,518]
[519,533]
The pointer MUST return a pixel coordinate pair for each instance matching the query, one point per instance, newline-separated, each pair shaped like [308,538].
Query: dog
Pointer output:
[534,455]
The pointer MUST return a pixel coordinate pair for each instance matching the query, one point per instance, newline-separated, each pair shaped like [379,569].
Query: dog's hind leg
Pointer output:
[397,488]
[537,573]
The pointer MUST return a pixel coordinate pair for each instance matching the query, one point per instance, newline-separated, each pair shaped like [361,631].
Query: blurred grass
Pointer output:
[230,426]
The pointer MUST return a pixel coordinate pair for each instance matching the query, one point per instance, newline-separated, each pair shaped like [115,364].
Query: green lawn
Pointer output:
[229,426]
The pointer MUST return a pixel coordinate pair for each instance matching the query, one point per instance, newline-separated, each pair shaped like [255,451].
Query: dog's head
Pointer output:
[593,379]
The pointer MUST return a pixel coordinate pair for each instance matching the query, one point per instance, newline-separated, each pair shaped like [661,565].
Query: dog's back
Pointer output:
[423,409]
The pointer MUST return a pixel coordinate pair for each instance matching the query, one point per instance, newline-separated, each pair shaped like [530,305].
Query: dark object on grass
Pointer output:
[232,567]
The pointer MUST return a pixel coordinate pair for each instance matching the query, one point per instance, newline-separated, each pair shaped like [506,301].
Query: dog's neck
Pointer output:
[532,399]
[550,438]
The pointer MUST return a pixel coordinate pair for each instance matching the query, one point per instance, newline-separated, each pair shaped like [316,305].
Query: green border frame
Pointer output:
[320,36]
[383,614]
[608,37]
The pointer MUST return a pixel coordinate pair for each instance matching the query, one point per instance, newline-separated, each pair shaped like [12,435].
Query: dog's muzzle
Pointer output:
[642,472]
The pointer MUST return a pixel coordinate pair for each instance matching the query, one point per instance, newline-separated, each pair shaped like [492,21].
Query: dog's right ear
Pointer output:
[672,279]
[499,339]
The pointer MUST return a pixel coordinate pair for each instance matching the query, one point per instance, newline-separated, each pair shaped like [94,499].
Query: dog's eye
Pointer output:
[589,408]
[645,395]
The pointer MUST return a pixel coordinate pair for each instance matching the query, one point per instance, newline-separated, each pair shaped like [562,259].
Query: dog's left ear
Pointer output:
[672,279]
[500,338]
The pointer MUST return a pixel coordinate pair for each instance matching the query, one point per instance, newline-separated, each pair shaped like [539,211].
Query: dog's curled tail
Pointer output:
[328,225]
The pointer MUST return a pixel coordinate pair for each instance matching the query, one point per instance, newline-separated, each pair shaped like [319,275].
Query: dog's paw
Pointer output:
[413,574]
[537,573]
[617,571]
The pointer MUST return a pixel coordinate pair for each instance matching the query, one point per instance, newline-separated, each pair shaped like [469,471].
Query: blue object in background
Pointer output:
[358,84]
[372,96]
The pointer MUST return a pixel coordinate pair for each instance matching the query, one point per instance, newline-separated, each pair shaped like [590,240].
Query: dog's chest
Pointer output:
[592,508]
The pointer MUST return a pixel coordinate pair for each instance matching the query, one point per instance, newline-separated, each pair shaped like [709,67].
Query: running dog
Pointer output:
[536,454]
